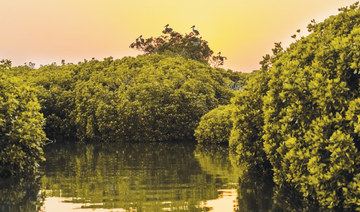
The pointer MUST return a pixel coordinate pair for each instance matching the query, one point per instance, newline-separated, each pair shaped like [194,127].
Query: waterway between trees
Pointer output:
[137,177]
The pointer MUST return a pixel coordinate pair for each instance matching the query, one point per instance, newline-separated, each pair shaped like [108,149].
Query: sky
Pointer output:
[46,31]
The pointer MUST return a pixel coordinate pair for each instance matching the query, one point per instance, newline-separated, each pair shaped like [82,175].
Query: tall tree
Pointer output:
[190,46]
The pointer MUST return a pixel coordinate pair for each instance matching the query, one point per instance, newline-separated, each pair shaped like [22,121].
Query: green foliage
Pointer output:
[248,118]
[189,46]
[310,113]
[300,114]
[54,88]
[22,136]
[164,99]
[147,98]
[215,126]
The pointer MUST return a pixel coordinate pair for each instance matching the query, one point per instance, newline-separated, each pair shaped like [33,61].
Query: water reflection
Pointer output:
[214,160]
[146,177]
[255,191]
[226,201]
[20,194]
[138,176]
[287,198]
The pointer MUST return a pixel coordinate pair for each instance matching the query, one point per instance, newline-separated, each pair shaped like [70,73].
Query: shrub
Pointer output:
[310,112]
[22,136]
[215,126]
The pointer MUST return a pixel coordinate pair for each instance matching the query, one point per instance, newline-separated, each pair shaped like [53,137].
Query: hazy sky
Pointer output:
[46,31]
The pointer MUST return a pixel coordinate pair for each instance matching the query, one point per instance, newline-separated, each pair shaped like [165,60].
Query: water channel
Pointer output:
[137,177]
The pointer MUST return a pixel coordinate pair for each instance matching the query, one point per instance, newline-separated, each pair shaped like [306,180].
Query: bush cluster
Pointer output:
[148,98]
[215,126]
[310,112]
[299,115]
[21,127]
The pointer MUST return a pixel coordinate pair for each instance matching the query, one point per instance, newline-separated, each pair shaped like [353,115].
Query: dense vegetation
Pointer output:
[189,46]
[245,137]
[147,98]
[21,127]
[299,115]
[159,96]
[311,112]
[296,119]
[215,126]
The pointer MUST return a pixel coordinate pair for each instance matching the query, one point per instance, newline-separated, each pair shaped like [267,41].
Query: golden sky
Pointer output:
[46,31]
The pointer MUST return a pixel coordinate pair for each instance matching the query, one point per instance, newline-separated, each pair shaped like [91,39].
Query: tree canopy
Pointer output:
[190,46]
[301,112]
[21,127]
[215,126]
[153,97]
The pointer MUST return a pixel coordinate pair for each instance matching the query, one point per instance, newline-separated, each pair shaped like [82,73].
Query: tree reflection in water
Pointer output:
[146,177]
[255,192]
[21,194]
[214,160]
[142,176]
[258,193]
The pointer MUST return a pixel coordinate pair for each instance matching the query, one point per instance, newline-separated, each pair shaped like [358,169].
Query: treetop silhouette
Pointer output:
[189,46]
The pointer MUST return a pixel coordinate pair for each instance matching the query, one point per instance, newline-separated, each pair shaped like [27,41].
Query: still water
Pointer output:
[137,177]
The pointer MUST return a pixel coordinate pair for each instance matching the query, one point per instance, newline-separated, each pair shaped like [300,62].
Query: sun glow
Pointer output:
[45,31]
